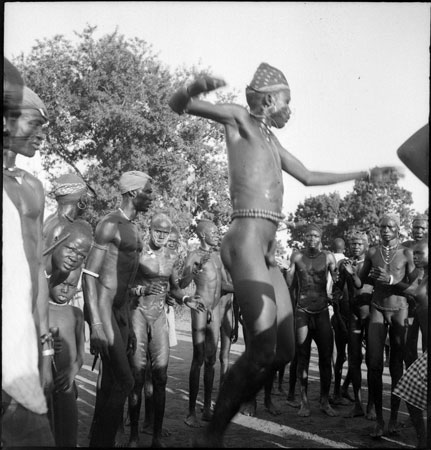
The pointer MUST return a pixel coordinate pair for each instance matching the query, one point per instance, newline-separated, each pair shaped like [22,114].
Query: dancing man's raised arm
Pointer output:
[293,166]
[185,100]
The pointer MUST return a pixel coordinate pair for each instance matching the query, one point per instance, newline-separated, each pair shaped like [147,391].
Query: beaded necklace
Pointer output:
[58,304]
[386,253]
[125,215]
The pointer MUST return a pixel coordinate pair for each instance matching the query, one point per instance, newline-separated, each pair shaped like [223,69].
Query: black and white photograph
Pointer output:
[215,224]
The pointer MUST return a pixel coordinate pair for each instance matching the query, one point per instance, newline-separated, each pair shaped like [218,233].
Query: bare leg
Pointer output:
[397,334]
[355,360]
[269,406]
[376,335]
[292,383]
[198,336]
[303,336]
[324,341]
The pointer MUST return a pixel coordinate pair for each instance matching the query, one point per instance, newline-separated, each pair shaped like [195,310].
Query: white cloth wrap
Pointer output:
[20,372]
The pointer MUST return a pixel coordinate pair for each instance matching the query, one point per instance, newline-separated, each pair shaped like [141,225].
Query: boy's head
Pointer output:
[207,232]
[72,251]
[268,95]
[160,227]
[173,239]
[420,253]
[358,243]
[419,227]
[339,245]
[63,291]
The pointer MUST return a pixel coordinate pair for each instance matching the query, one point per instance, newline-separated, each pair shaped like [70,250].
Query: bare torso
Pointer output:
[155,266]
[312,277]
[208,279]
[66,318]
[384,295]
[28,197]
[255,172]
[121,262]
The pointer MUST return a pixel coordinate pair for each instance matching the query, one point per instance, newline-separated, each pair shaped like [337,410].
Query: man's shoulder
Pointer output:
[408,244]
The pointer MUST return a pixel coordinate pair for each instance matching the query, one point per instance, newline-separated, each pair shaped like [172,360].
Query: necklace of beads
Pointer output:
[312,256]
[125,215]
[388,252]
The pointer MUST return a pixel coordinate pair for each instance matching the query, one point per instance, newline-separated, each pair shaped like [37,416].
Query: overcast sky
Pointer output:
[358,72]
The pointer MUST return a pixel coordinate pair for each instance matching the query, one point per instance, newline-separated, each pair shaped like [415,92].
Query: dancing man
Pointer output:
[255,162]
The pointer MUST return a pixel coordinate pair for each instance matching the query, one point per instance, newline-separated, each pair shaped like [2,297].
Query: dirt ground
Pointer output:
[286,430]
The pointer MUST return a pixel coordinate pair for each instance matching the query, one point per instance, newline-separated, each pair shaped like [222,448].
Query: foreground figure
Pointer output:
[156,276]
[204,267]
[387,264]
[312,315]
[25,328]
[256,160]
[68,361]
[359,297]
[109,273]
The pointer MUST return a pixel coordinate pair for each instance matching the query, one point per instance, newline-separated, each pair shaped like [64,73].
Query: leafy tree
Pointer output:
[360,209]
[108,104]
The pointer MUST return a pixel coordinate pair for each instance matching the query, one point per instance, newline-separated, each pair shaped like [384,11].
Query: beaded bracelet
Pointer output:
[49,352]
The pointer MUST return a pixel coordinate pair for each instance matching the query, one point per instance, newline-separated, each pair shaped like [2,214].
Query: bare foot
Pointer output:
[304,410]
[249,408]
[292,402]
[326,408]
[147,428]
[207,414]
[345,394]
[338,400]
[270,407]
[192,421]
[356,411]
[371,413]
[378,430]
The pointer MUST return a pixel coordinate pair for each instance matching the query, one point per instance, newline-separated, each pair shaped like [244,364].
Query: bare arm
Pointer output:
[332,266]
[105,234]
[79,333]
[41,313]
[189,264]
[185,100]
[290,274]
[226,282]
[366,267]
[414,153]
[291,165]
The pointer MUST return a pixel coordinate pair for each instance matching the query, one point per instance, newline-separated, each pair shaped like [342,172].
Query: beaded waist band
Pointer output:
[258,214]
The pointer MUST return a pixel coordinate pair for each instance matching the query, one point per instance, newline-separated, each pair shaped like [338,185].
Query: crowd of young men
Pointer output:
[127,284]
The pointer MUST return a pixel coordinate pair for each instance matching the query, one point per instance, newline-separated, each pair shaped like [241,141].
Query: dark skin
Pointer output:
[26,192]
[157,275]
[312,266]
[70,322]
[67,212]
[255,163]
[359,298]
[204,267]
[388,309]
[414,153]
[114,259]
[419,231]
